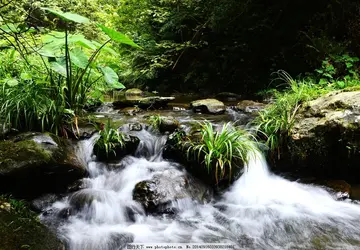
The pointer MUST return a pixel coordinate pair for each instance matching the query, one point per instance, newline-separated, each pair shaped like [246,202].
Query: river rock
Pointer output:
[150,102]
[168,124]
[32,164]
[134,92]
[165,191]
[208,106]
[325,138]
[249,106]
[131,111]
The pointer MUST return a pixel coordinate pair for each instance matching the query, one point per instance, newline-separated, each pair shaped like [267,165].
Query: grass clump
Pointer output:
[222,150]
[155,121]
[110,140]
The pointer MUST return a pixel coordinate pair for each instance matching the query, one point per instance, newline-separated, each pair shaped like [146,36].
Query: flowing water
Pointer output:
[260,211]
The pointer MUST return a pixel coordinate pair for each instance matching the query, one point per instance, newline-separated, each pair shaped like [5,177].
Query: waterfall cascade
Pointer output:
[260,211]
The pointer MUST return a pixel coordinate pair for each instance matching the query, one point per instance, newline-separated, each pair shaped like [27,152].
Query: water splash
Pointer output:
[260,211]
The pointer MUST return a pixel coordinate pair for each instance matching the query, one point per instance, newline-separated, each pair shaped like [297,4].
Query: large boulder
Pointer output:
[170,191]
[208,106]
[33,163]
[325,139]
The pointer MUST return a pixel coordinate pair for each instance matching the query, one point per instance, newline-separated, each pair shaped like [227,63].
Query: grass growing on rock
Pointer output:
[222,150]
[276,121]
[110,139]
[20,228]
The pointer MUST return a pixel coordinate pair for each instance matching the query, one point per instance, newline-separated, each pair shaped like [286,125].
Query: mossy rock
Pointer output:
[21,229]
[134,92]
[325,138]
[32,164]
[176,149]
[131,144]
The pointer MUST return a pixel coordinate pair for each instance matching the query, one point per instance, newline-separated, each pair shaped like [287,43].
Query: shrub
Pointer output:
[222,150]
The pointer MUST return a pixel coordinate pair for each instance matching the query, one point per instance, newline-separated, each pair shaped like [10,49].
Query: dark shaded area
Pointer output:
[235,45]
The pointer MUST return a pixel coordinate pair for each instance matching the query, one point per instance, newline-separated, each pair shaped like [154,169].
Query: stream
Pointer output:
[259,211]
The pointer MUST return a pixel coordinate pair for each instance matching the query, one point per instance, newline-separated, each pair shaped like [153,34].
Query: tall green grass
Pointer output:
[222,150]
[29,106]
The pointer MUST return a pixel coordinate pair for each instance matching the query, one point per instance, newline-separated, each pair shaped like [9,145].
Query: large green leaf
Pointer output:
[59,68]
[79,58]
[11,82]
[111,77]
[82,41]
[9,28]
[117,36]
[105,48]
[68,16]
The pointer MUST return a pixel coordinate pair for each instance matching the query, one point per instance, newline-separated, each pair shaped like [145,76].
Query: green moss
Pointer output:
[20,228]
[23,151]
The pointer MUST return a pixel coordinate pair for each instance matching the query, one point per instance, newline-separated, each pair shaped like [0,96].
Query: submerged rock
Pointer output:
[325,138]
[249,106]
[208,106]
[170,191]
[33,164]
[41,203]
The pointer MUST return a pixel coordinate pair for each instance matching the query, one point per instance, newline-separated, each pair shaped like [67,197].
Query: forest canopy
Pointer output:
[207,45]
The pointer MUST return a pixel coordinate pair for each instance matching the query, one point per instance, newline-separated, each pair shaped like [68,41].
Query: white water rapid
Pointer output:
[260,211]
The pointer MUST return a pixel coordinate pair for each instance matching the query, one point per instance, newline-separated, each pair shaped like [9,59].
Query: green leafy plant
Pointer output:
[222,150]
[110,140]
[58,71]
[338,71]
[76,67]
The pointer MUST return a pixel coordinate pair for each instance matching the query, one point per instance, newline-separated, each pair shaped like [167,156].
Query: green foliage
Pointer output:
[339,71]
[222,150]
[110,139]
[48,76]
[155,121]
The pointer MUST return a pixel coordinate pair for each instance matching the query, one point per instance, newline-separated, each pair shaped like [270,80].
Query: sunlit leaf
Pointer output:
[79,58]
[11,82]
[68,16]
[111,77]
[58,68]
[117,36]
